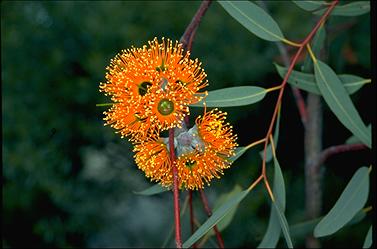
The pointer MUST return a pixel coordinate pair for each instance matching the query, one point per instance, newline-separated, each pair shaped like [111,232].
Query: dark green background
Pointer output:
[68,181]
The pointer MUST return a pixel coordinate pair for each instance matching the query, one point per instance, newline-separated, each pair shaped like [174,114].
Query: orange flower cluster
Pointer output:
[151,89]
[203,153]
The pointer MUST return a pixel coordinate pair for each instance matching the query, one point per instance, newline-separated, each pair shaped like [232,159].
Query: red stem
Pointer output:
[296,92]
[335,150]
[290,69]
[191,216]
[209,213]
[186,40]
[188,37]
[177,218]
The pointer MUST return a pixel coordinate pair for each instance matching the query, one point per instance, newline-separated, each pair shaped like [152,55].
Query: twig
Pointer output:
[192,216]
[296,92]
[290,69]
[209,213]
[336,149]
[188,37]
[301,46]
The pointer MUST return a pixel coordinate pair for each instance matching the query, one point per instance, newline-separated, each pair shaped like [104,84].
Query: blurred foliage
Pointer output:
[68,181]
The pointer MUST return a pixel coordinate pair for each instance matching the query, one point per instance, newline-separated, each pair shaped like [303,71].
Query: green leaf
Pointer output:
[306,81]
[368,239]
[155,189]
[339,101]
[276,139]
[284,225]
[301,230]
[239,152]
[354,140]
[217,215]
[229,217]
[349,203]
[233,96]
[310,5]
[254,18]
[279,203]
[272,235]
[351,9]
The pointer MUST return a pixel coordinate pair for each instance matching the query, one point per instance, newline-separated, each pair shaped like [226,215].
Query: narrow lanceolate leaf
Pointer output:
[272,235]
[155,189]
[278,204]
[238,152]
[217,215]
[351,9]
[301,230]
[306,81]
[276,139]
[349,203]
[233,96]
[368,239]
[310,5]
[254,18]
[354,140]
[284,225]
[339,101]
[229,217]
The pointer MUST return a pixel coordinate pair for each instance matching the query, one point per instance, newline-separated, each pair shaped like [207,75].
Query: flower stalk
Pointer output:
[177,218]
[192,217]
[208,210]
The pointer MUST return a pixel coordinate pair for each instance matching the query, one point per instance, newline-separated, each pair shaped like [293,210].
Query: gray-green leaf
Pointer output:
[272,235]
[301,230]
[368,239]
[254,18]
[339,101]
[229,217]
[353,139]
[155,189]
[217,215]
[278,204]
[310,5]
[349,203]
[351,9]
[306,81]
[233,96]
[238,152]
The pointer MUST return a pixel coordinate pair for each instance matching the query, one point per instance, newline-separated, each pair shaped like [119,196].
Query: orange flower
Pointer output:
[197,168]
[215,133]
[130,120]
[202,165]
[152,157]
[203,153]
[151,88]
[169,107]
